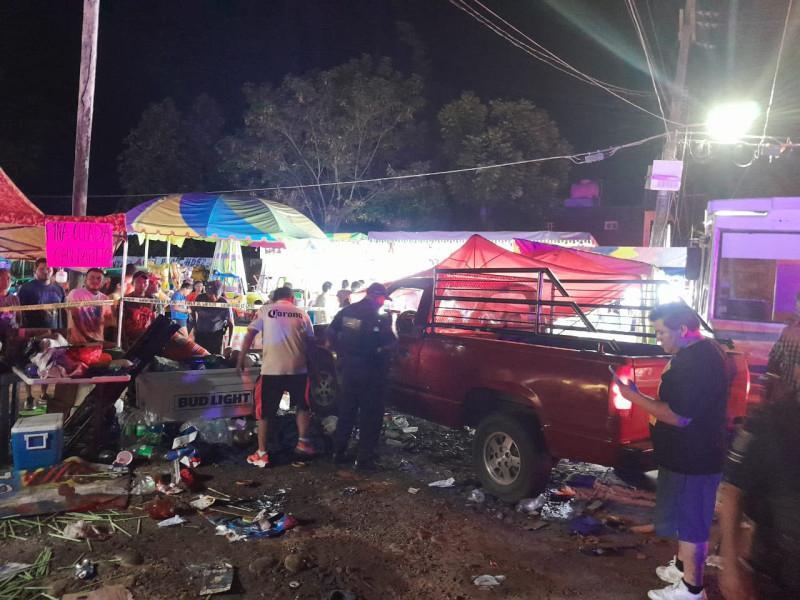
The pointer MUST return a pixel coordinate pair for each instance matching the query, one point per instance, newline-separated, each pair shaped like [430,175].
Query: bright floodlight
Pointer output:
[731,121]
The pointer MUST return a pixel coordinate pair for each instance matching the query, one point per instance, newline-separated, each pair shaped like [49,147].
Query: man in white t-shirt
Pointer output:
[286,335]
[87,324]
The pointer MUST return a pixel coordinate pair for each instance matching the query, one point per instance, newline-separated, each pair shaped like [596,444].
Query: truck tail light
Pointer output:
[625,373]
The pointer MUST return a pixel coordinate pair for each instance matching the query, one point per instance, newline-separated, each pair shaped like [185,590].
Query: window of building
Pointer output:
[758,277]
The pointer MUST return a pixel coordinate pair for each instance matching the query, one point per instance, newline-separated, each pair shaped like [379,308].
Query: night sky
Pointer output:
[153,49]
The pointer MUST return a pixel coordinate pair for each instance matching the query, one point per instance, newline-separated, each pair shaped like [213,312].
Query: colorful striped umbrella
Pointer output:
[211,217]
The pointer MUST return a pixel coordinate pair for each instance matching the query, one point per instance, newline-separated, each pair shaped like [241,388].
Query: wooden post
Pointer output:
[677,113]
[83,133]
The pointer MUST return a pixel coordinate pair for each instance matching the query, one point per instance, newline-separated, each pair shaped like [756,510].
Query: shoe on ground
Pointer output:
[258,459]
[304,449]
[676,591]
[669,573]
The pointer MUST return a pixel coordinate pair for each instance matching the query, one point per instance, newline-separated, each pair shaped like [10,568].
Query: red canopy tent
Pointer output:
[22,232]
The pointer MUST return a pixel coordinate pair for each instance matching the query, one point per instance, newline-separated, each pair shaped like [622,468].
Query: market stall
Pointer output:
[229,220]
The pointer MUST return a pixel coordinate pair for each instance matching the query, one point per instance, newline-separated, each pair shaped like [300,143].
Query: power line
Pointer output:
[557,58]
[578,159]
[634,13]
[461,5]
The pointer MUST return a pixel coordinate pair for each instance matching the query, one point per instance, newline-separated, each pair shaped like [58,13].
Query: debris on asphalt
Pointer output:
[413,490]
[237,529]
[202,502]
[530,506]
[294,584]
[172,521]
[85,530]
[488,581]
[216,578]
[477,496]
[443,483]
[144,486]
[350,491]
[586,525]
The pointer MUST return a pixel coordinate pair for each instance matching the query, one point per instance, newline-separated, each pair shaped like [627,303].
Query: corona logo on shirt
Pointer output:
[275,313]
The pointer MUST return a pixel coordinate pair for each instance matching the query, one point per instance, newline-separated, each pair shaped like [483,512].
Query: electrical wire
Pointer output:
[777,68]
[578,159]
[634,13]
[557,58]
[461,5]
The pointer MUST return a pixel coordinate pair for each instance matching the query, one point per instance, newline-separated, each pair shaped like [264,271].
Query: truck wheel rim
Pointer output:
[501,458]
[325,390]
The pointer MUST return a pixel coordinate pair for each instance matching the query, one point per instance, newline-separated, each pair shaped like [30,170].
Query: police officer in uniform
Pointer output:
[362,339]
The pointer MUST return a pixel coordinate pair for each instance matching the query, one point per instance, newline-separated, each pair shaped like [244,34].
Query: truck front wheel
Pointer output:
[510,464]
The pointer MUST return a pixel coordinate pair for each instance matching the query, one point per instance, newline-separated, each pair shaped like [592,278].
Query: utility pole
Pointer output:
[677,113]
[83,133]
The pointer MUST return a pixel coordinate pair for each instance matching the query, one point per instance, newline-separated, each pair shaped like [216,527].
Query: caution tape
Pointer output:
[136,300]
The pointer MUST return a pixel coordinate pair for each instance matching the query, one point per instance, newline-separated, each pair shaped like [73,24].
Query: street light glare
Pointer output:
[731,121]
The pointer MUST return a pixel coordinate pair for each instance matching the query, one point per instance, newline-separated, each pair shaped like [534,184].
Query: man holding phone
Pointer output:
[687,426]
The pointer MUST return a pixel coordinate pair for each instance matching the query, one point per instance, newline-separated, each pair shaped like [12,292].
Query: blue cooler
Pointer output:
[37,441]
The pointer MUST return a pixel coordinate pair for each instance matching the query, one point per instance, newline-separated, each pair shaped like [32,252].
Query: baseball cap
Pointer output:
[377,289]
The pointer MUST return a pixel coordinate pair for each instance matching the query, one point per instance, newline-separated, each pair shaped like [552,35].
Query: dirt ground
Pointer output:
[368,534]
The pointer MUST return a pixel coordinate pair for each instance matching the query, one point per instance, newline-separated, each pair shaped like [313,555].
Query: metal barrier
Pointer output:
[536,301]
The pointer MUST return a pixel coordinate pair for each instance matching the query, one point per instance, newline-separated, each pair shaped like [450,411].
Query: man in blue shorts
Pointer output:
[687,426]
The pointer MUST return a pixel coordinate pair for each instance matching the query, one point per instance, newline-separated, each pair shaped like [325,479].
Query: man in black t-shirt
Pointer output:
[688,431]
[762,480]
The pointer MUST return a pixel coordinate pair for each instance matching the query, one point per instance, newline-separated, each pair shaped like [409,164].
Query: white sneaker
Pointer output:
[676,591]
[670,573]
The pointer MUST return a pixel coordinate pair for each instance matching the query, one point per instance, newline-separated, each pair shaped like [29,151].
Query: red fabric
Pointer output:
[579,264]
[17,209]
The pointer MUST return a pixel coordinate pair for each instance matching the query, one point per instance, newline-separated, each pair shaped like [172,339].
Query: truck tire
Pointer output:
[508,458]
[324,391]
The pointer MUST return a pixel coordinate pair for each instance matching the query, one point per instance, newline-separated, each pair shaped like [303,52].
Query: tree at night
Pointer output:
[475,133]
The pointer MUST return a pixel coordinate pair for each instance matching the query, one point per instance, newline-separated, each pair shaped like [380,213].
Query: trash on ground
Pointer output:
[144,486]
[413,490]
[487,581]
[184,438]
[160,509]
[531,506]
[294,584]
[216,578]
[172,521]
[616,493]
[329,424]
[202,502]
[85,569]
[477,496]
[443,483]
[85,530]
[240,528]
[586,525]
[350,491]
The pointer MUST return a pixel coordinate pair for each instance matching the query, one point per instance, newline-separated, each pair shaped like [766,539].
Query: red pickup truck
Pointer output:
[531,376]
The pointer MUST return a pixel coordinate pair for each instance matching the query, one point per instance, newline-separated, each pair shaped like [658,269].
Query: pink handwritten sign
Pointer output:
[79,244]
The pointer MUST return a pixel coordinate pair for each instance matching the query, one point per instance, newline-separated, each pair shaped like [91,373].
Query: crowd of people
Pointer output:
[97,324]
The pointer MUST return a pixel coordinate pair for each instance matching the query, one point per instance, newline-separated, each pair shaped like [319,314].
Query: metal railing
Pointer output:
[534,300]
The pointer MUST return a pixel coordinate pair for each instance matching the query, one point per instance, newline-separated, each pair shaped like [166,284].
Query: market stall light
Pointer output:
[741,213]
[730,122]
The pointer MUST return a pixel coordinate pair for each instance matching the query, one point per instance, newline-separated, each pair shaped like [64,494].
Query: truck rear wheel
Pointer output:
[324,391]
[509,461]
